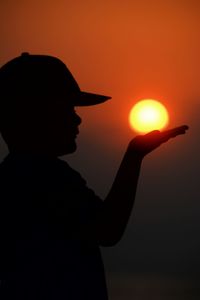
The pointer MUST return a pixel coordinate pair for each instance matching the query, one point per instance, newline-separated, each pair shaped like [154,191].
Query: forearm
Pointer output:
[118,205]
[119,202]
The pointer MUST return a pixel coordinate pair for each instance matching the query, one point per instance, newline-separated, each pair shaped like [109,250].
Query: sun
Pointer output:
[147,115]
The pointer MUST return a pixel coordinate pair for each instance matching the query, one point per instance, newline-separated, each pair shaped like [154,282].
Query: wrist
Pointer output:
[134,153]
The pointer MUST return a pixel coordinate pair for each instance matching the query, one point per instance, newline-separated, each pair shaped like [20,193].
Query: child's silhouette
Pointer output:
[52,224]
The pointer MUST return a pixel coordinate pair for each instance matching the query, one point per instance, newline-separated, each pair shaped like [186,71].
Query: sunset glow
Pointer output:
[147,115]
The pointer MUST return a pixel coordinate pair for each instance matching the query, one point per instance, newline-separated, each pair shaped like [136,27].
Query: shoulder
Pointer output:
[69,174]
[78,183]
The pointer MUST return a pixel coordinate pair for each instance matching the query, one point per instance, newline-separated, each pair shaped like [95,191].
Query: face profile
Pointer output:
[61,129]
[51,130]
[37,108]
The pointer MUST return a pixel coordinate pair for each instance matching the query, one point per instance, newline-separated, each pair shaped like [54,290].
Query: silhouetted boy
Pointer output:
[52,224]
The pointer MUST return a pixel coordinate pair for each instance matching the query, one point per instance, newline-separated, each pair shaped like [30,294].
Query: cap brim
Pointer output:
[87,99]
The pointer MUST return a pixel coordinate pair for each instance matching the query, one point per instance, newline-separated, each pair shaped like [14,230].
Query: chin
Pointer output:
[68,149]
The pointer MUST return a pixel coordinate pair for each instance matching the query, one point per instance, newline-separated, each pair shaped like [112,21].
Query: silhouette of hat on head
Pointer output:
[43,77]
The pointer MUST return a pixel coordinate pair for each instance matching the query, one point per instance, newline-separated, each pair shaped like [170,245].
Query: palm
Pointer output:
[144,144]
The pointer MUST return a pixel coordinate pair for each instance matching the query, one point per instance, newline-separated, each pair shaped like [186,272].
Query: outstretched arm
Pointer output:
[117,208]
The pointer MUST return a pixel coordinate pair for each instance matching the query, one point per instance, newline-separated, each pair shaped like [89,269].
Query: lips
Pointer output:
[75,132]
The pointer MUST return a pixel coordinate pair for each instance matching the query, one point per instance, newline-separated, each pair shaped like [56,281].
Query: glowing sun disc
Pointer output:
[147,115]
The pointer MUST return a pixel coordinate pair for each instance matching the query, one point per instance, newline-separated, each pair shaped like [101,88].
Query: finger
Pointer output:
[175,131]
[179,128]
[171,133]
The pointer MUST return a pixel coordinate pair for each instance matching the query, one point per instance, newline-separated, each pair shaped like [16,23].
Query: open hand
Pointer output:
[144,144]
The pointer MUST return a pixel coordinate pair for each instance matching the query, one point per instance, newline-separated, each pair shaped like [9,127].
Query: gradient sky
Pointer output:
[129,50]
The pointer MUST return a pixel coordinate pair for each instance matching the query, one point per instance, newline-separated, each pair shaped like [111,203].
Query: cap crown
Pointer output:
[36,76]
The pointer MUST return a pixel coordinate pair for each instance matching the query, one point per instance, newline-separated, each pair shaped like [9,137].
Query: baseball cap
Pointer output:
[39,76]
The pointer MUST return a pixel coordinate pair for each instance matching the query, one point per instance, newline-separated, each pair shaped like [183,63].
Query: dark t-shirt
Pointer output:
[46,209]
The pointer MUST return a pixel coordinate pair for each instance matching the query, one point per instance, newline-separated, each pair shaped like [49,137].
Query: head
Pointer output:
[38,98]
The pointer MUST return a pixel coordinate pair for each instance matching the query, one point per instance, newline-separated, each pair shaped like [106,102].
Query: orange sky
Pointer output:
[129,50]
